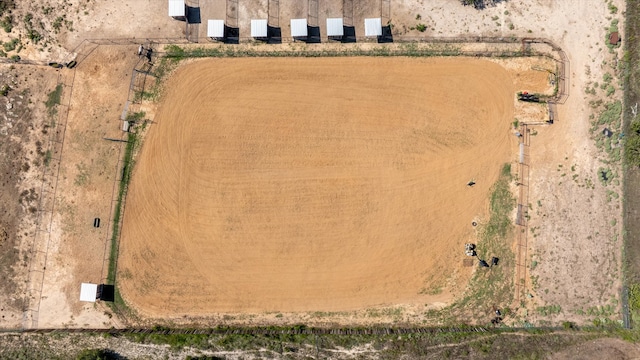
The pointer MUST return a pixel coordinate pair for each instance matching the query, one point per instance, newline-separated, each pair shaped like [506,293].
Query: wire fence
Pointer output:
[522,217]
[506,47]
[44,222]
[293,330]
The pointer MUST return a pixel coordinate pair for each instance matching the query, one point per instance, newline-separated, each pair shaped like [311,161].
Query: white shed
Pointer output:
[88,292]
[335,27]
[215,29]
[258,28]
[176,8]
[372,27]
[298,28]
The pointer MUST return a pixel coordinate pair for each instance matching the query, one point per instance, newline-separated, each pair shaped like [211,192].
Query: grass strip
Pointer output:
[127,168]
[177,53]
[493,285]
[630,74]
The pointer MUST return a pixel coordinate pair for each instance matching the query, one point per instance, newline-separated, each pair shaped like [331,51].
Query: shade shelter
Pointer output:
[299,28]
[335,27]
[177,9]
[372,27]
[259,28]
[88,292]
[215,29]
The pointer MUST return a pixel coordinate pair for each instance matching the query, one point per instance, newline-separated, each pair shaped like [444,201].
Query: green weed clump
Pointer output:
[605,175]
[611,115]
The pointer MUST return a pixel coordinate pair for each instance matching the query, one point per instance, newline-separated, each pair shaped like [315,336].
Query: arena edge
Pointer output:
[119,305]
[501,202]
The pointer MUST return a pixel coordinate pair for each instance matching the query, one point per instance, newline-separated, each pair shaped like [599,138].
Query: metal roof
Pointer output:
[258,28]
[298,27]
[335,27]
[88,292]
[372,27]
[176,8]
[215,28]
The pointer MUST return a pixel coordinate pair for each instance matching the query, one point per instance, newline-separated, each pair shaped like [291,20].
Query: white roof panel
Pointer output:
[298,27]
[88,292]
[258,28]
[372,27]
[335,27]
[215,28]
[176,7]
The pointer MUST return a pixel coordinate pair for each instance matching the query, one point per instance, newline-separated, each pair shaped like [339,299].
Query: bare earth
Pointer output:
[577,228]
[322,184]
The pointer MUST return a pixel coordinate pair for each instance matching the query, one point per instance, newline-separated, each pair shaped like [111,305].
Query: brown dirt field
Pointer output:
[613,349]
[324,184]
[25,130]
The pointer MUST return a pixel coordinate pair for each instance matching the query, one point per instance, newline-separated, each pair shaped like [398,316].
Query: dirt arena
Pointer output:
[324,184]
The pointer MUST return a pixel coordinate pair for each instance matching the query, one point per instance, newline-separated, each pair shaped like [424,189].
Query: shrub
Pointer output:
[98,354]
[605,176]
[34,36]
[11,45]
[634,297]
[632,145]
[7,23]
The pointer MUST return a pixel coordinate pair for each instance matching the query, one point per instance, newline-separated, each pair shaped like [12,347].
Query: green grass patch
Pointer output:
[11,45]
[127,169]
[47,158]
[605,175]
[177,53]
[136,116]
[611,115]
[489,284]
[53,100]
[7,23]
[549,310]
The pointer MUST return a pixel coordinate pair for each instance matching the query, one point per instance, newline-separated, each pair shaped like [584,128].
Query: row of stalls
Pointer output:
[300,29]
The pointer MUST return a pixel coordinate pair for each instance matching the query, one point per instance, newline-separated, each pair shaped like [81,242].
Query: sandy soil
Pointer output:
[576,26]
[25,129]
[614,349]
[335,194]
[87,177]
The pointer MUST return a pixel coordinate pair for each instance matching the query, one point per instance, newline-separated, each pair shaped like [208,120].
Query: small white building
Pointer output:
[259,28]
[176,8]
[299,28]
[215,29]
[88,292]
[335,27]
[373,27]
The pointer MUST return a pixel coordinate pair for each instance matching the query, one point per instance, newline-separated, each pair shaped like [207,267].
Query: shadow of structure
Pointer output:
[231,35]
[349,34]
[386,36]
[274,35]
[313,35]
[193,15]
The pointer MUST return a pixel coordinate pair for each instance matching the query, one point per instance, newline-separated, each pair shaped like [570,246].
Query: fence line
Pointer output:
[294,330]
[522,215]
[56,141]
[137,85]
[50,175]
